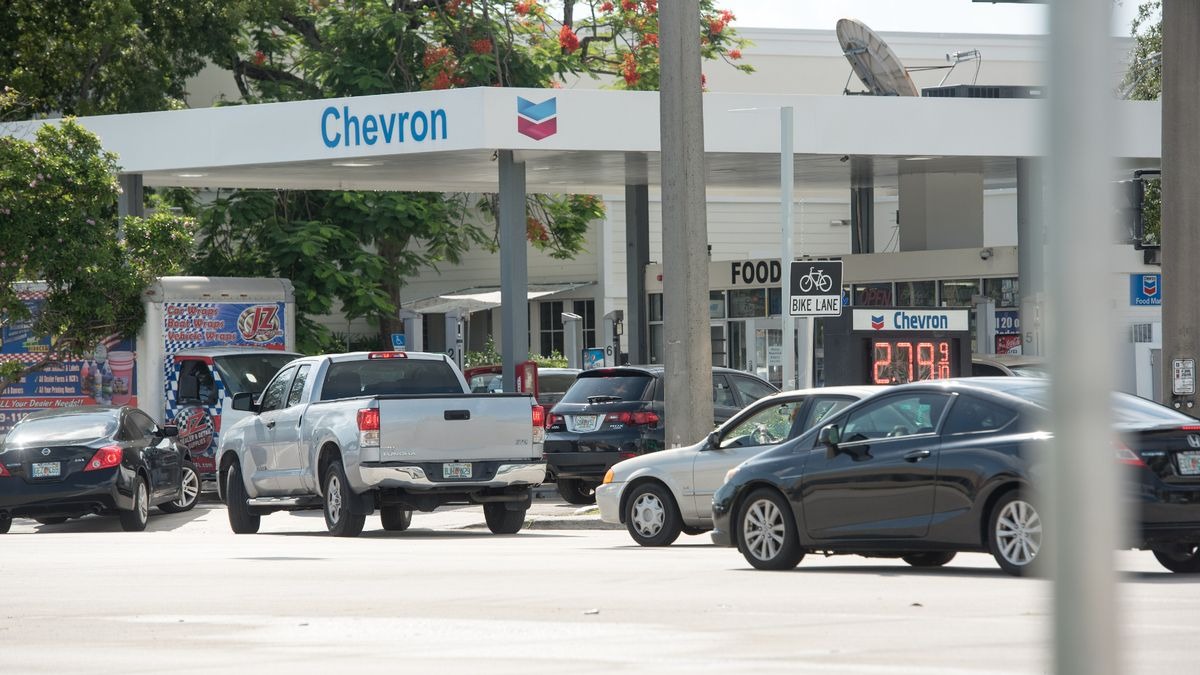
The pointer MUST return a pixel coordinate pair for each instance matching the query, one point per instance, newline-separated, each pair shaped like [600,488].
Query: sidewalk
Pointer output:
[548,512]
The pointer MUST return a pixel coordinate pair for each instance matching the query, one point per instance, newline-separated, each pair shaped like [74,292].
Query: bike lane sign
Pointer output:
[816,288]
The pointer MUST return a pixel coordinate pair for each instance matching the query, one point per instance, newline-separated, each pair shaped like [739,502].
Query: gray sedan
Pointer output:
[660,494]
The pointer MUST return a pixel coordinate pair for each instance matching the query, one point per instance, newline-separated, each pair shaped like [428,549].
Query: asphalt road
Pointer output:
[187,596]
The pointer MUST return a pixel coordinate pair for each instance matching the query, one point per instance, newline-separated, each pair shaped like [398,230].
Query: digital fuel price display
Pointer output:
[900,360]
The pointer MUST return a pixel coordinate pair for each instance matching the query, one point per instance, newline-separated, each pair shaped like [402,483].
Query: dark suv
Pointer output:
[611,414]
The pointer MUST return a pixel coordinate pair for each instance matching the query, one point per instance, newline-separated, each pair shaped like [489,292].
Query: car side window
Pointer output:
[750,389]
[771,425]
[297,389]
[138,425]
[722,393]
[973,415]
[896,417]
[822,409]
[273,396]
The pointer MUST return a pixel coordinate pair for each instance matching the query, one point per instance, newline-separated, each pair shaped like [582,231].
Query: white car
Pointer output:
[660,494]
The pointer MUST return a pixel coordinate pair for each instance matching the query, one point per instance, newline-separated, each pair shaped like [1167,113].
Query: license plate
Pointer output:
[586,422]
[1189,463]
[456,470]
[45,470]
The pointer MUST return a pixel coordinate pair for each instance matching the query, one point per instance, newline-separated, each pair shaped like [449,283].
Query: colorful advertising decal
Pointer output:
[188,325]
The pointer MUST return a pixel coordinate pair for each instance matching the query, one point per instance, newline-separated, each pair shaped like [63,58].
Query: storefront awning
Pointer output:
[486,297]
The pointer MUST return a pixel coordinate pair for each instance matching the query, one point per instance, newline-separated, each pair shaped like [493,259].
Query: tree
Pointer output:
[1143,82]
[58,209]
[111,56]
[304,50]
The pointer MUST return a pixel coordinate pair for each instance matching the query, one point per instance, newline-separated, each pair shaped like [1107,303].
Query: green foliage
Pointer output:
[1143,82]
[490,356]
[58,206]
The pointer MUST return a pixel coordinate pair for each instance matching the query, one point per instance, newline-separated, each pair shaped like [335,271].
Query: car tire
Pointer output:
[767,533]
[1183,559]
[135,519]
[241,519]
[1015,534]
[575,491]
[651,515]
[189,491]
[57,520]
[340,519]
[395,518]
[929,558]
[503,520]
[5,524]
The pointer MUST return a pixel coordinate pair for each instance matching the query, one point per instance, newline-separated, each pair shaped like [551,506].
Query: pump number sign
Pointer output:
[816,288]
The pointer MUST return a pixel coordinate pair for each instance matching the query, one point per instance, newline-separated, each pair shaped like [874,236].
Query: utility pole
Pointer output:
[688,351]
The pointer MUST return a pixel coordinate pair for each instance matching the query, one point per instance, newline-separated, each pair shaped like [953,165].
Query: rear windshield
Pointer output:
[62,429]
[385,377]
[555,383]
[1126,408]
[250,373]
[607,389]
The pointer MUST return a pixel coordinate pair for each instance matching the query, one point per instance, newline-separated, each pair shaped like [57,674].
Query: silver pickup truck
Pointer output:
[393,431]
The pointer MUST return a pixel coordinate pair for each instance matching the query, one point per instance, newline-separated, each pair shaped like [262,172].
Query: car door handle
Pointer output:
[916,455]
[457,414]
[271,424]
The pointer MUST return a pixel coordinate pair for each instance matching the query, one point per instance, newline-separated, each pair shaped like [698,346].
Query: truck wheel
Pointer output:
[503,520]
[395,518]
[136,519]
[189,491]
[340,520]
[574,491]
[241,520]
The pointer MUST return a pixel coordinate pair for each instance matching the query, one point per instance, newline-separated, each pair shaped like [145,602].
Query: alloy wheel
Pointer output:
[1019,533]
[334,497]
[142,502]
[765,528]
[191,488]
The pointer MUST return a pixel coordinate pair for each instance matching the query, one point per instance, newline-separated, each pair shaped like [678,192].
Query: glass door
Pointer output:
[756,346]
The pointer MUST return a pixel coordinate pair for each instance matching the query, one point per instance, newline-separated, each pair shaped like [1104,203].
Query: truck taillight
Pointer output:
[386,355]
[539,424]
[368,427]
[105,458]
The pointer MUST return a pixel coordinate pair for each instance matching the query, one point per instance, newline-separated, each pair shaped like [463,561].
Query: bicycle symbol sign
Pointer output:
[816,288]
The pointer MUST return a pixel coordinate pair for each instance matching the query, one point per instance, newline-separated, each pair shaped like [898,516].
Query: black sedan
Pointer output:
[929,469]
[67,463]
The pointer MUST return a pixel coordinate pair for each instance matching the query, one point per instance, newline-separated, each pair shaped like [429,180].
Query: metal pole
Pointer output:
[1031,252]
[689,405]
[1082,502]
[786,190]
[514,269]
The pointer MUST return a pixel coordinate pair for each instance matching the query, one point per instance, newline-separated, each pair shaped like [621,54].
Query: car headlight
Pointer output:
[608,477]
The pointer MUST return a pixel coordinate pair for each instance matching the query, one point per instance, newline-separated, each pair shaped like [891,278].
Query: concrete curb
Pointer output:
[558,523]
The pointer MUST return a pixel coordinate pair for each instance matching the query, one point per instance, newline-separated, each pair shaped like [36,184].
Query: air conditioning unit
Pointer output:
[985,91]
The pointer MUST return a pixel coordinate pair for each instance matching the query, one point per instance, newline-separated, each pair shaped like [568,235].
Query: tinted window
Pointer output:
[389,377]
[768,426]
[249,372]
[751,389]
[971,415]
[895,416]
[1127,408]
[604,389]
[63,429]
[822,409]
[298,385]
[722,392]
[273,397]
[140,424]
[985,370]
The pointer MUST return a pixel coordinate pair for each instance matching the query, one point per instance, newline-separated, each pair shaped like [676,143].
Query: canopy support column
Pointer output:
[514,269]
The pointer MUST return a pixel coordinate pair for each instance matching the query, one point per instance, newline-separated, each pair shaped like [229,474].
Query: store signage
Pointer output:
[755,272]
[1008,322]
[537,120]
[816,288]
[346,128]
[1145,290]
[911,320]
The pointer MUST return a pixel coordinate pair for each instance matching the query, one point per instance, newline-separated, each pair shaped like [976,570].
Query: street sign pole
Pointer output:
[786,187]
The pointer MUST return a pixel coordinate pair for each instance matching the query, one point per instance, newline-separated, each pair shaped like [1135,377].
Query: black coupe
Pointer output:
[70,462]
[925,470]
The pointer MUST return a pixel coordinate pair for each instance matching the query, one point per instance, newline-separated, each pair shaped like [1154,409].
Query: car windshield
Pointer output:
[607,388]
[75,428]
[250,373]
[1127,408]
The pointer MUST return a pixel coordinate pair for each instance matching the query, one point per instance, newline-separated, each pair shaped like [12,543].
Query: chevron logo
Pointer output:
[537,120]
[877,322]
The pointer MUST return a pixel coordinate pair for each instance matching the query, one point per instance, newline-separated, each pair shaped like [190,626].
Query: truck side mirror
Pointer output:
[244,400]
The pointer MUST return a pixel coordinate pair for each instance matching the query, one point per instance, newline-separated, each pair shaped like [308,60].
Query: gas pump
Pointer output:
[614,327]
[573,339]
[454,336]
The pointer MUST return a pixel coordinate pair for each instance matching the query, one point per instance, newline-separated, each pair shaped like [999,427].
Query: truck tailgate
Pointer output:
[454,428]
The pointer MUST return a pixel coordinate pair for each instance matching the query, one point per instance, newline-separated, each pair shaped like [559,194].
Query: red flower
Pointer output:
[629,5]
[435,55]
[482,46]
[629,70]
[715,26]
[727,16]
[650,39]
[735,54]
[523,7]
[568,39]
[606,7]
[442,81]
[259,58]
[651,6]
[703,81]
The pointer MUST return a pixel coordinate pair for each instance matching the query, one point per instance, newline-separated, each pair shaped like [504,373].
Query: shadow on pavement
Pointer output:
[159,522]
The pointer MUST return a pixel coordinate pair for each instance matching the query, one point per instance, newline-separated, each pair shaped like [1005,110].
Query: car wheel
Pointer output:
[503,520]
[57,520]
[189,491]
[575,491]
[651,515]
[929,558]
[241,519]
[395,518]
[767,534]
[1015,534]
[5,524]
[1183,559]
[135,519]
[339,519]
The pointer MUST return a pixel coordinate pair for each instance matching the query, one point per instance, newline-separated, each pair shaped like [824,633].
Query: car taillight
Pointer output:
[4,472]
[368,427]
[552,420]
[105,458]
[634,418]
[1127,456]
[539,424]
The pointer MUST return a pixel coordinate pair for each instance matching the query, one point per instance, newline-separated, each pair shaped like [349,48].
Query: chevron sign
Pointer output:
[537,120]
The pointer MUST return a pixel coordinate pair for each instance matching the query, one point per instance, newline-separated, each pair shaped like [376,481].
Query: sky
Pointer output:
[927,16]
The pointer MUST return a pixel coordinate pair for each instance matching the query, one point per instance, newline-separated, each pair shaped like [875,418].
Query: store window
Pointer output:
[1004,292]
[716,304]
[873,295]
[916,294]
[747,303]
[550,333]
[774,302]
[958,292]
[587,309]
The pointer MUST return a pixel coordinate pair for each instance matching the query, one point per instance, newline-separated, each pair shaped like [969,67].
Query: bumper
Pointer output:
[722,534]
[426,476]
[589,455]
[608,498]
[722,514]
[76,495]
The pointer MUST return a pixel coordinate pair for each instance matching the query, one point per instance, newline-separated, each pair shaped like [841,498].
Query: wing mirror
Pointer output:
[168,431]
[829,436]
[244,401]
[713,441]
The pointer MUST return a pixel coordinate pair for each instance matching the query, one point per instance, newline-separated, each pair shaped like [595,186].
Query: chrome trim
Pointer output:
[413,477]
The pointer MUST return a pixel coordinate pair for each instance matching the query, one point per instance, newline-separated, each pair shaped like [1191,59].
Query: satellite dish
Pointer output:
[873,60]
